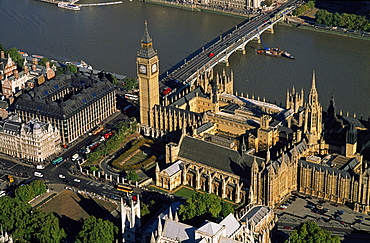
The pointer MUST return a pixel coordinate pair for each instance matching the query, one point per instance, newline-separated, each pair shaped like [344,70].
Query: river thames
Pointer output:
[108,38]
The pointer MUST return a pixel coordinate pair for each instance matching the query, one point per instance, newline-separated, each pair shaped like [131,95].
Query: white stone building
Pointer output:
[34,141]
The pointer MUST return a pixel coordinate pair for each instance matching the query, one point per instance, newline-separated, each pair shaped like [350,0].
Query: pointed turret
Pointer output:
[152,239]
[170,213]
[312,98]
[146,50]
[331,108]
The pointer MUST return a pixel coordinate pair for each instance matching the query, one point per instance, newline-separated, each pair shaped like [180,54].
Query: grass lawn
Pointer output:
[185,192]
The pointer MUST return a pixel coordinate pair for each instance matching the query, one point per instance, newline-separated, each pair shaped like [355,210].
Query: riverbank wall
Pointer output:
[291,21]
[202,8]
[300,23]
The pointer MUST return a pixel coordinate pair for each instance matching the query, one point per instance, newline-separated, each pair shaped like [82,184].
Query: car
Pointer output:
[287,227]
[334,204]
[340,212]
[66,181]
[75,185]
[211,54]
[310,206]
[325,210]
[338,218]
[319,207]
[62,176]
[360,217]
[38,174]
[322,201]
[76,180]
[283,206]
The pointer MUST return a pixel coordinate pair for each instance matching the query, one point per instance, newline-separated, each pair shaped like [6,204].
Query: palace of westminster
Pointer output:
[248,150]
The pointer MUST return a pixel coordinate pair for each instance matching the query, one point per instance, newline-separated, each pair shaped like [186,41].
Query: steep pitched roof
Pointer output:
[179,231]
[216,156]
[210,228]
[231,224]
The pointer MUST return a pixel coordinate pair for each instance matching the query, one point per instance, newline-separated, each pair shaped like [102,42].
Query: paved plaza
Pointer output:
[339,219]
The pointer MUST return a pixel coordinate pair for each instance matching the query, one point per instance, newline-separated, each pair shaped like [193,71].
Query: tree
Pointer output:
[131,83]
[310,232]
[203,204]
[38,187]
[132,176]
[25,193]
[43,61]
[227,208]
[16,57]
[97,231]
[46,228]
[72,68]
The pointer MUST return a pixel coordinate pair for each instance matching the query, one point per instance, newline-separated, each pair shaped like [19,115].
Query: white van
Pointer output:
[74,157]
[38,174]
[40,167]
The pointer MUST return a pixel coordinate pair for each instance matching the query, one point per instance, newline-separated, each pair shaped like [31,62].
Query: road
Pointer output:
[22,171]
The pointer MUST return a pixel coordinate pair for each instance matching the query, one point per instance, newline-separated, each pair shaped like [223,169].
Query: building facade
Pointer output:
[73,103]
[272,158]
[34,140]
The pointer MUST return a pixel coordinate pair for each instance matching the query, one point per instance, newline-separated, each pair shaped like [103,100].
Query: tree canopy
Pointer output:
[96,230]
[303,8]
[201,204]
[27,192]
[345,20]
[310,232]
[132,176]
[28,224]
[16,57]
[131,83]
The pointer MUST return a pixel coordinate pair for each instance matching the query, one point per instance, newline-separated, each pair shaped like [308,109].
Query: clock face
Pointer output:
[142,69]
[154,67]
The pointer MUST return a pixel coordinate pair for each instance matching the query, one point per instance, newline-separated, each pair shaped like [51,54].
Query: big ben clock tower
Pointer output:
[148,76]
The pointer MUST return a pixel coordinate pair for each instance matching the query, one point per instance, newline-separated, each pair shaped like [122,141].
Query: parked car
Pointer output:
[62,176]
[38,174]
[76,180]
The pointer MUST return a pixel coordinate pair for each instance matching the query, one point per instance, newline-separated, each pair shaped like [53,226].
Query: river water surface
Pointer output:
[108,38]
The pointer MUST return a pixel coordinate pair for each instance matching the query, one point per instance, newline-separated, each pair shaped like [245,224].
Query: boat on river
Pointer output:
[69,6]
[287,55]
[274,52]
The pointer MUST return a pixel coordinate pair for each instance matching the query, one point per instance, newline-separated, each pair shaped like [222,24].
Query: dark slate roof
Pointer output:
[216,156]
[204,127]
[324,168]
[189,97]
[39,99]
[354,122]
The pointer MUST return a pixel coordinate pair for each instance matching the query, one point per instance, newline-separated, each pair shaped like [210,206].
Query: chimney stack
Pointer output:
[47,65]
[25,69]
[16,74]
[2,54]
[33,67]
[34,61]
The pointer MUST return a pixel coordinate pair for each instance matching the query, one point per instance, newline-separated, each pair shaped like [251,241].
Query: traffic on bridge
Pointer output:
[219,49]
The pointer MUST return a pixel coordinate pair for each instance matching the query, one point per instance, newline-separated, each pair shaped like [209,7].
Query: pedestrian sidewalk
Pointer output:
[51,192]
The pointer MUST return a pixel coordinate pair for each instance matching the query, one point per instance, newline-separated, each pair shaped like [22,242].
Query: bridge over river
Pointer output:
[220,49]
